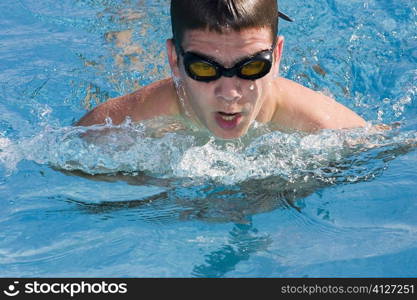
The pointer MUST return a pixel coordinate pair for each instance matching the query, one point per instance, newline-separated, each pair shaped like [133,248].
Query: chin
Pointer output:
[229,135]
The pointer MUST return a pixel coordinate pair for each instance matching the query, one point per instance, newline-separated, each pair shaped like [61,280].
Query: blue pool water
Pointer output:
[141,203]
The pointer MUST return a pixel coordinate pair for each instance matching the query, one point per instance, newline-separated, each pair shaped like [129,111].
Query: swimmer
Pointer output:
[225,58]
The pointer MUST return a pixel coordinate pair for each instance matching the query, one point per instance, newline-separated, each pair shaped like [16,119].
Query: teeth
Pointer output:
[228,118]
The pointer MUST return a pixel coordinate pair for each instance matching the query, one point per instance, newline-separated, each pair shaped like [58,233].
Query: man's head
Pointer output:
[234,43]
[219,15]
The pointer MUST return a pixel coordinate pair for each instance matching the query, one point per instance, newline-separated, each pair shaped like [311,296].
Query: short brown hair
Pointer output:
[217,15]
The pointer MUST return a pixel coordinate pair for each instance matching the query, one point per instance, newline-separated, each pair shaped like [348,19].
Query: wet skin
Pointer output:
[229,105]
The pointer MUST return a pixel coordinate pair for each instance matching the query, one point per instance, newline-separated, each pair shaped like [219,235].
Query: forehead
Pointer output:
[245,41]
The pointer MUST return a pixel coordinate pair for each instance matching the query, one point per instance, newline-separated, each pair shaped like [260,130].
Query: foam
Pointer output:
[183,153]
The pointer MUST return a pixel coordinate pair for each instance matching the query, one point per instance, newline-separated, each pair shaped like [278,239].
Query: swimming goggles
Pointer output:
[202,68]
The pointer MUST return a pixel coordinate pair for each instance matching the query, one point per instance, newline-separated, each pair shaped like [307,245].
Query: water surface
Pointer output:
[143,202]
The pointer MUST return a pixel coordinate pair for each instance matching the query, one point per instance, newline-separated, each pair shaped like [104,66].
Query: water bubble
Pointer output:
[168,148]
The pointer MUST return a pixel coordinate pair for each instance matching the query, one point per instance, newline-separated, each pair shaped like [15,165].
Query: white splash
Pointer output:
[182,153]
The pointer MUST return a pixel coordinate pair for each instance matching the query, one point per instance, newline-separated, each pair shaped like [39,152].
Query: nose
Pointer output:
[228,89]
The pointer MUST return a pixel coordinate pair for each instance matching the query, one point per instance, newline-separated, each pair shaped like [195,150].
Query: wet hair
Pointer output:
[219,15]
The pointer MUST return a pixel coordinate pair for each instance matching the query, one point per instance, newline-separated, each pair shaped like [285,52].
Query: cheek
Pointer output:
[254,91]
[257,94]
[193,90]
[264,84]
[198,93]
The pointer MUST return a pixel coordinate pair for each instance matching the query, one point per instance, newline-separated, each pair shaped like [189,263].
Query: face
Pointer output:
[228,105]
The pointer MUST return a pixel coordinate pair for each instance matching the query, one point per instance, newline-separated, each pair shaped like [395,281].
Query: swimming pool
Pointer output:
[334,204]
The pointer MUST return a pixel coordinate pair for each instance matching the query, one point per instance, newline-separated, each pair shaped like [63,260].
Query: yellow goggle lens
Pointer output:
[202,69]
[253,68]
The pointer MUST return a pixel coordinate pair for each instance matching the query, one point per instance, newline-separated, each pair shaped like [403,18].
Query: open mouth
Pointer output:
[228,120]
[228,116]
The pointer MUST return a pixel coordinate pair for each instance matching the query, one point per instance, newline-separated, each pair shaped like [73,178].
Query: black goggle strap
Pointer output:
[284,16]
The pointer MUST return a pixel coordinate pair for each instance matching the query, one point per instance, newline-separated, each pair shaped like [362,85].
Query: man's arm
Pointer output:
[115,109]
[303,109]
[156,99]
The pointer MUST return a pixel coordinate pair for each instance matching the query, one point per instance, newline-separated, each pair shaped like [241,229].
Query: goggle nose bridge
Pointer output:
[228,72]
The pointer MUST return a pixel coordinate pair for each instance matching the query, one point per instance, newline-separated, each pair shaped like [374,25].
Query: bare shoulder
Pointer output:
[156,99]
[301,108]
